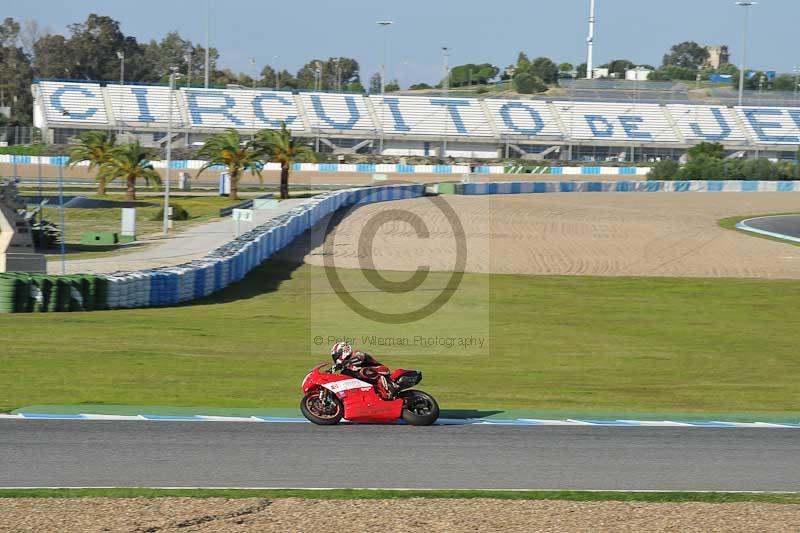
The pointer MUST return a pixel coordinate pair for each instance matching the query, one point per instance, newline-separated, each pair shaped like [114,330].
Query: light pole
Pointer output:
[590,43]
[188,59]
[121,56]
[277,74]
[796,81]
[172,74]
[255,72]
[385,24]
[208,60]
[446,88]
[742,73]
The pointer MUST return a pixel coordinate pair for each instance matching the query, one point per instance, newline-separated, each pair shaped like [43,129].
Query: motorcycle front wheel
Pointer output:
[419,408]
[325,411]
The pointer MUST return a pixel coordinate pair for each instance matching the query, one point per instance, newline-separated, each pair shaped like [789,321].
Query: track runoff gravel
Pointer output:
[294,514]
[601,234]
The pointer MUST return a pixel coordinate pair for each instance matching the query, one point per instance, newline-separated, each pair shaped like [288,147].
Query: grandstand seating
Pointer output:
[771,125]
[642,123]
[340,112]
[707,123]
[422,115]
[529,118]
[139,104]
[478,125]
[73,102]
[245,109]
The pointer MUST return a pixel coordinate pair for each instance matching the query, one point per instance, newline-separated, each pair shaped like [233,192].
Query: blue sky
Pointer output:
[476,30]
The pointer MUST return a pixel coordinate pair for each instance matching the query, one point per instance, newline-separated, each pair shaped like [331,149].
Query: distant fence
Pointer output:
[369,168]
[625,186]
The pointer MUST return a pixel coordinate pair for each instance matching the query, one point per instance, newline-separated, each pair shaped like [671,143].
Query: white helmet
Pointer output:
[341,352]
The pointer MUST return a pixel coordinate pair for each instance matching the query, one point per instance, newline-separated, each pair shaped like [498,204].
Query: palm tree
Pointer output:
[228,149]
[281,147]
[94,147]
[129,162]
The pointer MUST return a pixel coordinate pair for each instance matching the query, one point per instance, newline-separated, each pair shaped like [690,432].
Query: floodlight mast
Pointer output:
[742,71]
[173,74]
[207,58]
[385,24]
[590,43]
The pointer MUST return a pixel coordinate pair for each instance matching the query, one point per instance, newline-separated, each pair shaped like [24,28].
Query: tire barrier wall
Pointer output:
[625,186]
[189,281]
[39,293]
[389,168]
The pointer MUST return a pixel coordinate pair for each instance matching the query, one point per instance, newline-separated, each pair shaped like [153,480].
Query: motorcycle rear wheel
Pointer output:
[419,408]
[314,409]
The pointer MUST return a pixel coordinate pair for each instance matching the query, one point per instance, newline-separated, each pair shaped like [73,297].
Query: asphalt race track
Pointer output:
[185,454]
[788,225]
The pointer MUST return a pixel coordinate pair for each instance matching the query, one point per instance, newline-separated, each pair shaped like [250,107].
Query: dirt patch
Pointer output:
[602,234]
[250,515]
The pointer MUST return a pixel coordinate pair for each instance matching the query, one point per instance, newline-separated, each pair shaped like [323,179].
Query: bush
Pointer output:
[664,170]
[178,213]
[528,83]
[714,150]
[705,167]
[21,149]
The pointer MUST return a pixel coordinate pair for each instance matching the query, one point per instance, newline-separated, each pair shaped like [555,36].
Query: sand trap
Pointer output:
[603,234]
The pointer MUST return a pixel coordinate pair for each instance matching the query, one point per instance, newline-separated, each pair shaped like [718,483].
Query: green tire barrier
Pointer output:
[39,293]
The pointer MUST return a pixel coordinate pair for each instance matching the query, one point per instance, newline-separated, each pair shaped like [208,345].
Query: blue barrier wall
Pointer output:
[233,261]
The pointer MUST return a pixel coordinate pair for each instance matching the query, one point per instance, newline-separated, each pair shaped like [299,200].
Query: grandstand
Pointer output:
[403,125]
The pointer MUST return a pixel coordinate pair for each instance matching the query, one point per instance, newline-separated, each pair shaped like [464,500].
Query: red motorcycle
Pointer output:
[330,397]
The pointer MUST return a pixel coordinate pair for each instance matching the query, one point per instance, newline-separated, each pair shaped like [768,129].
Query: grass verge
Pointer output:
[730,223]
[380,494]
[574,344]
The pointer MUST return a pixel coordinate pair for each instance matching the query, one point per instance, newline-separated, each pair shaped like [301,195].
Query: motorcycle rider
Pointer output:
[363,366]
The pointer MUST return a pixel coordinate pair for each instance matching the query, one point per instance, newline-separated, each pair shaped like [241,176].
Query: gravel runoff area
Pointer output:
[295,514]
[592,234]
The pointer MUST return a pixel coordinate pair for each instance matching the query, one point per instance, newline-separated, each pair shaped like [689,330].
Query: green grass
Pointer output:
[361,494]
[78,221]
[578,344]
[730,223]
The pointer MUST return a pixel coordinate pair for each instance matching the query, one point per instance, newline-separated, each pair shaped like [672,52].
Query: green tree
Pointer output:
[419,86]
[228,149]
[93,147]
[545,69]
[565,70]
[16,74]
[93,48]
[472,74]
[784,82]
[526,83]
[523,63]
[331,71]
[687,55]
[375,83]
[269,77]
[281,147]
[580,71]
[129,162]
[51,58]
[711,150]
[673,73]
[392,86]
[666,169]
